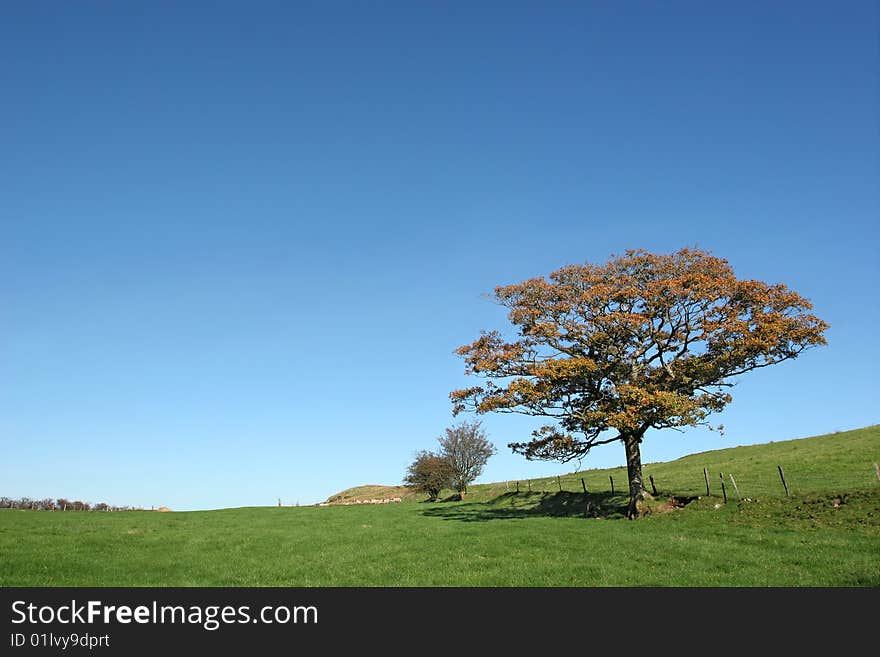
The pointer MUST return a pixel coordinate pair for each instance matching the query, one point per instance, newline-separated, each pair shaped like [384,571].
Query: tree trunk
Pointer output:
[637,491]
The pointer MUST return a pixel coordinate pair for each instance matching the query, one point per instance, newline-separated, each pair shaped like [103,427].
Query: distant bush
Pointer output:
[429,473]
[60,504]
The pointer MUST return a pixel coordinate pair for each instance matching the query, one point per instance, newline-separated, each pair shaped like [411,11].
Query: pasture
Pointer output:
[826,534]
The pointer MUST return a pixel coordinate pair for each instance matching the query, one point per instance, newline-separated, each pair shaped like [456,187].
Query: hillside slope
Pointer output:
[819,464]
[370,493]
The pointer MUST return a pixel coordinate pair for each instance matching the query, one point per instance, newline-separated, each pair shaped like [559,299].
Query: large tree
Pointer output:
[643,341]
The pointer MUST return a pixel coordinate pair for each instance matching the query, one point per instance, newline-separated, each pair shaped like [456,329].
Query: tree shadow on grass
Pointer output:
[530,505]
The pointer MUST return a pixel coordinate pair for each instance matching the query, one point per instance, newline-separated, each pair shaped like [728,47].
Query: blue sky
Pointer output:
[239,242]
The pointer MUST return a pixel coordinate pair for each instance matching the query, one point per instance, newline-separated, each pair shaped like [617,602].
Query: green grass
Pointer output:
[838,461]
[827,534]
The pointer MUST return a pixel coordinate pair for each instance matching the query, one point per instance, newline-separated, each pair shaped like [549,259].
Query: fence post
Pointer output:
[735,487]
[653,487]
[517,487]
[530,485]
[877,470]
[784,484]
[612,483]
[723,490]
[706,477]
[559,483]
[584,485]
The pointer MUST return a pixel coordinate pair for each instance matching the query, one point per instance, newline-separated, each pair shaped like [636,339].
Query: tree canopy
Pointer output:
[642,341]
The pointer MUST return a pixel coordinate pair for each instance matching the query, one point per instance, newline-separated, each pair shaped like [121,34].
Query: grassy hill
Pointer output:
[369,493]
[826,534]
[822,464]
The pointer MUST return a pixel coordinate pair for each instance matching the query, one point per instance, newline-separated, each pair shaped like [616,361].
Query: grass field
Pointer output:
[826,534]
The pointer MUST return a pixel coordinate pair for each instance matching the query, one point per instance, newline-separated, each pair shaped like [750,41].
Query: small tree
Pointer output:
[429,473]
[467,449]
[642,342]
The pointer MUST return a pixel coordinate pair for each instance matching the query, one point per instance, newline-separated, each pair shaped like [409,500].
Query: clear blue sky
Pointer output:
[239,242]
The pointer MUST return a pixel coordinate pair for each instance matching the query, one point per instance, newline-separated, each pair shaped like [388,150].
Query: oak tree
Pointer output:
[643,341]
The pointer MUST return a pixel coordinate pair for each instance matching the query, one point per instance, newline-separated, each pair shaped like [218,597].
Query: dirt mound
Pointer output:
[163,509]
[672,504]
